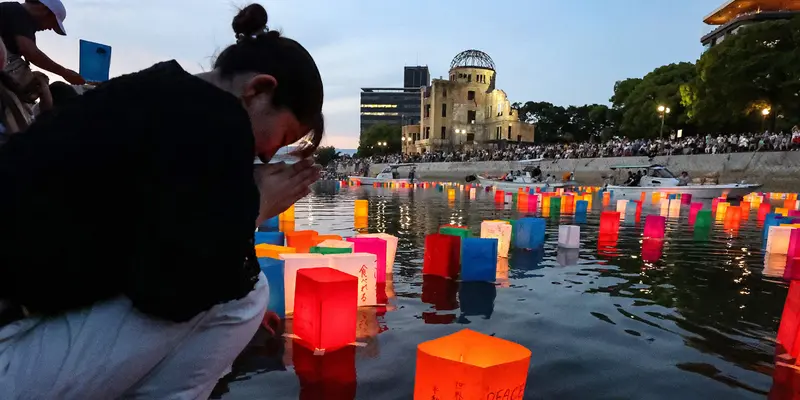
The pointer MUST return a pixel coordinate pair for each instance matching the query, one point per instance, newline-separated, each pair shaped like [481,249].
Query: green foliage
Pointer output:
[368,144]
[325,154]
[556,123]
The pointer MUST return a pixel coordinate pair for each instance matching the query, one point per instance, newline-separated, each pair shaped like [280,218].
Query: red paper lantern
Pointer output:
[763,210]
[499,196]
[331,375]
[790,322]
[654,226]
[442,255]
[609,222]
[652,249]
[325,307]
[693,209]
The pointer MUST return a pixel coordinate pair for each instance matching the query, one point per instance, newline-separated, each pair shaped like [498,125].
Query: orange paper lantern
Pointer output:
[302,241]
[287,215]
[470,365]
[321,238]
[325,308]
[272,251]
[286,226]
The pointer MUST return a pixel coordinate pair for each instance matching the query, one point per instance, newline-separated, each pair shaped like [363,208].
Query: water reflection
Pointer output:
[477,300]
[331,375]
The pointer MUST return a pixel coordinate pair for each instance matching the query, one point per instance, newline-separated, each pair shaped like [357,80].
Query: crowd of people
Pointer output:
[616,147]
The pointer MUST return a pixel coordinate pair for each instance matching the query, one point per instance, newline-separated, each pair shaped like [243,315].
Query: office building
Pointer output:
[467,110]
[736,14]
[415,77]
[391,106]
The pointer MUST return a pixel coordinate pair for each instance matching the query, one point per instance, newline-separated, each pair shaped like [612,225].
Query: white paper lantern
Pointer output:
[292,264]
[778,239]
[500,230]
[391,247]
[337,244]
[674,208]
[569,236]
[364,267]
[621,206]
[472,193]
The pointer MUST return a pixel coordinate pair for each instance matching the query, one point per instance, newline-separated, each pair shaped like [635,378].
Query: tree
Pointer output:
[757,68]
[556,123]
[368,144]
[622,90]
[325,154]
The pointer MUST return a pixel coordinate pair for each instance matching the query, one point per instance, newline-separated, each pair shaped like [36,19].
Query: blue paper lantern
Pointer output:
[478,259]
[772,219]
[270,225]
[275,238]
[581,207]
[273,270]
[530,233]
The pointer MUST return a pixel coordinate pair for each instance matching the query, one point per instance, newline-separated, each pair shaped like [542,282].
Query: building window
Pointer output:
[427,110]
[427,132]
[519,138]
[444,134]
[509,132]
[497,133]
[444,109]
[444,92]
[471,95]
[469,78]
[470,117]
[490,111]
[470,137]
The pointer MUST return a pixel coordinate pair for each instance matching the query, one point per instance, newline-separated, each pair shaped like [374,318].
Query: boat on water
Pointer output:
[522,179]
[659,179]
[389,174]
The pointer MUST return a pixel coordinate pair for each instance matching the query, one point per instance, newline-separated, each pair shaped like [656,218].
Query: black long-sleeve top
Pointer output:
[142,187]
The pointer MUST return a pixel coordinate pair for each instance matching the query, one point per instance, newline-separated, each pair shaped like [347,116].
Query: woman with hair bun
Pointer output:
[127,266]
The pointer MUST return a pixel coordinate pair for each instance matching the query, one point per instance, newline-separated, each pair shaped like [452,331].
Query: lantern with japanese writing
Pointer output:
[654,226]
[478,259]
[609,222]
[325,308]
[529,233]
[361,208]
[274,238]
[391,247]
[471,365]
[274,271]
[375,246]
[500,230]
[272,251]
[331,375]
[442,255]
[292,264]
[364,267]
[569,236]
[778,239]
[302,241]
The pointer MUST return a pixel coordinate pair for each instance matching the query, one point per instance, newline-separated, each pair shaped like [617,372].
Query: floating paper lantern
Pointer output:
[686,199]
[509,198]
[302,241]
[568,204]
[272,251]
[533,202]
[654,226]
[522,201]
[790,323]
[745,207]
[287,215]
[722,208]
[733,215]
[788,204]
[792,263]
[451,194]
[714,202]
[364,267]
[555,205]
[609,222]
[472,193]
[763,210]
[360,223]
[775,265]
[581,207]
[287,226]
[325,308]
[376,246]
[442,255]
[655,198]
[274,271]
[471,365]
[478,259]
[546,204]
[652,250]
[500,230]
[778,239]
[271,224]
[621,206]
[499,196]
[440,292]
[342,244]
[330,250]
[361,208]
[606,198]
[391,248]
[782,211]
[455,230]
[702,219]
[569,236]
[530,233]
[674,208]
[292,264]
[275,238]
[321,238]
[331,375]
[771,220]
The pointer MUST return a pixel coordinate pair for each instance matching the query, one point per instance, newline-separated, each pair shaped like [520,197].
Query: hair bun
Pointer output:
[251,20]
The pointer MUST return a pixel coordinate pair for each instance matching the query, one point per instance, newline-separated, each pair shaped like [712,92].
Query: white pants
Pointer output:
[111,351]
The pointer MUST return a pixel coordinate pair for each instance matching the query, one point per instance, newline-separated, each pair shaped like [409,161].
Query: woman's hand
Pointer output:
[281,185]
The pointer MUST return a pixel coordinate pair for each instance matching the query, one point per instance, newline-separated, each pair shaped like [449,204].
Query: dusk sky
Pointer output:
[565,52]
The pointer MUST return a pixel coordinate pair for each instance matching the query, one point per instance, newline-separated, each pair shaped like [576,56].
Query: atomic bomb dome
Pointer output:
[472,59]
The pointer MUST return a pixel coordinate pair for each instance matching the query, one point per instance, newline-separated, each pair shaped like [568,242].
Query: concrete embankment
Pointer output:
[777,171]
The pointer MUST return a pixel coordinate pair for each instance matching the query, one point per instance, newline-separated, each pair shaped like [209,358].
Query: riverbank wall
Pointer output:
[777,171]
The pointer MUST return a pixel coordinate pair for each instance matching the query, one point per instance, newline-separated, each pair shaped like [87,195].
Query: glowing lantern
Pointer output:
[792,262]
[568,204]
[478,259]
[472,193]
[775,265]
[714,203]
[790,323]
[733,215]
[555,205]
[287,215]
[391,247]
[499,196]
[609,222]
[569,236]
[321,238]
[330,250]
[621,206]
[287,226]
[606,198]
[442,255]
[376,246]
[654,226]
[322,375]
[360,223]
[529,233]
[588,199]
[500,230]
[272,251]
[271,224]
[581,207]
[763,210]
[722,208]
[325,308]
[655,197]
[664,207]
[674,208]
[652,250]
[471,365]
[275,238]
[302,241]
[292,264]
[361,208]
[782,211]
[703,219]
[455,230]
[745,206]
[451,194]
[546,204]
[778,239]
[788,204]
[686,198]
[533,202]
[364,267]
[274,271]
[522,201]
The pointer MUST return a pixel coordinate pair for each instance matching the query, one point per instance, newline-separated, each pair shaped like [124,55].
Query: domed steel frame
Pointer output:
[472,59]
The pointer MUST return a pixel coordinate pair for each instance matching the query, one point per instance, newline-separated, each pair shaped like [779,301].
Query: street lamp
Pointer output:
[663,111]
[765,112]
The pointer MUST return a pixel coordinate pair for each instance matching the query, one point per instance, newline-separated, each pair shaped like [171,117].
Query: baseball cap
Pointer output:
[58,9]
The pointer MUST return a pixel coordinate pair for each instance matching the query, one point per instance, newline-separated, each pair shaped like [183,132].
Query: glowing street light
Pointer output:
[663,110]
[765,112]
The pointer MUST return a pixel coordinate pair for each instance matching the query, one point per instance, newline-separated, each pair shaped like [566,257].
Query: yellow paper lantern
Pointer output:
[287,215]
[778,239]
[273,251]
[292,264]
[722,208]
[500,230]
[361,208]
[782,211]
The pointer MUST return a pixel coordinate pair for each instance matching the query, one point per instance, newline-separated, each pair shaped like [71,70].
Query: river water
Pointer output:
[601,323]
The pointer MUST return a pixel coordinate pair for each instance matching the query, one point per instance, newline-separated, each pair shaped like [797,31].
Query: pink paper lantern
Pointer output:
[372,246]
[792,271]
[693,209]
[652,249]
[686,198]
[654,226]
[794,213]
